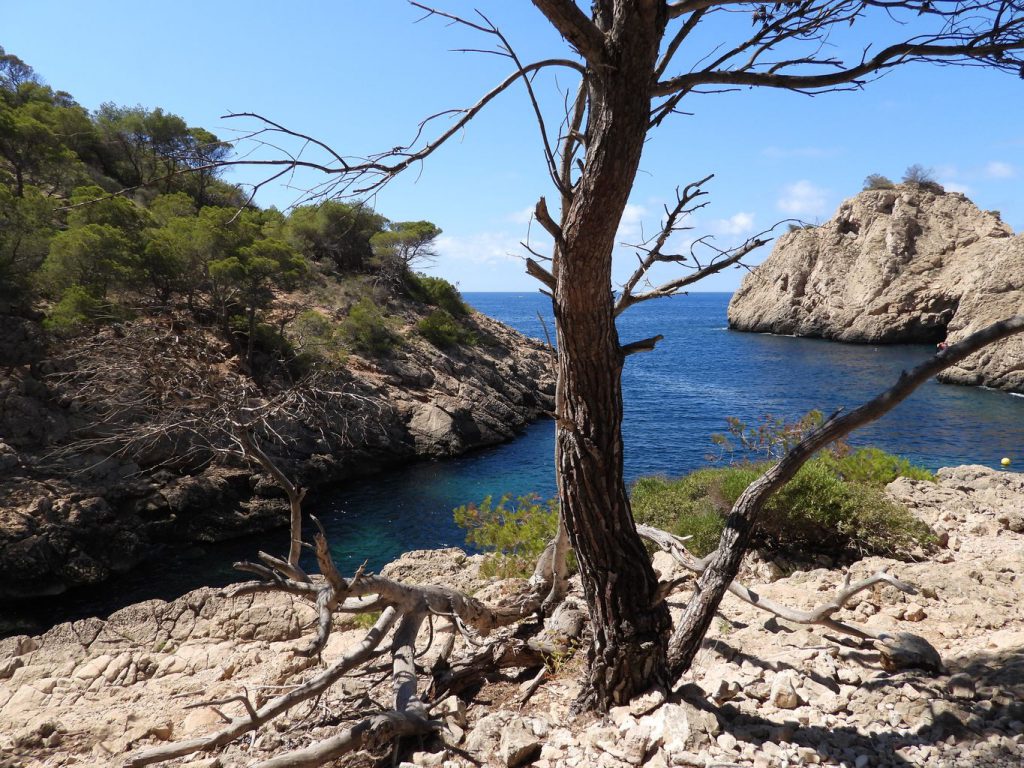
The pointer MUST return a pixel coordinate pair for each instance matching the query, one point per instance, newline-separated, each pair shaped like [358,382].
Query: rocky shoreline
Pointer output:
[762,693]
[79,518]
[911,264]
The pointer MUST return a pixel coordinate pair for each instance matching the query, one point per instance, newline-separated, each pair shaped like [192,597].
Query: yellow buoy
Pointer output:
[1006,461]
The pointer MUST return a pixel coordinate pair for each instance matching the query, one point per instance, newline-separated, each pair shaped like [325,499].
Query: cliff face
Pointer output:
[76,506]
[903,265]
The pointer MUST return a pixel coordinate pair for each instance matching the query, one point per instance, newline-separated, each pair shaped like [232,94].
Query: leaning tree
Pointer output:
[634,63]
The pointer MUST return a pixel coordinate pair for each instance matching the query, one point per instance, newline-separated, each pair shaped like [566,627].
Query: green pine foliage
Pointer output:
[437,292]
[444,331]
[513,532]
[835,505]
[367,330]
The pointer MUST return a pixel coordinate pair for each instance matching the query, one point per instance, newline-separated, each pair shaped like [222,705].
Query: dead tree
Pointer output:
[636,61]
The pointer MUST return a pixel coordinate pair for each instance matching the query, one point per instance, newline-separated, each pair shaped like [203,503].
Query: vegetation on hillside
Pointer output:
[100,222]
[835,506]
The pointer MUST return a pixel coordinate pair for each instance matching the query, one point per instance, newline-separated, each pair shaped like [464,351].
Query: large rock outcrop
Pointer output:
[905,265]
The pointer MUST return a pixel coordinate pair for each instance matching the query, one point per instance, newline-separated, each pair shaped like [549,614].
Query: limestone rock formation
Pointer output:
[905,265]
[762,693]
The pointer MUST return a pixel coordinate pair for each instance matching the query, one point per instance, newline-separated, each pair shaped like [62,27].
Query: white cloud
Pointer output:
[631,225]
[802,198]
[955,186]
[521,217]
[738,224]
[1000,170]
[487,247]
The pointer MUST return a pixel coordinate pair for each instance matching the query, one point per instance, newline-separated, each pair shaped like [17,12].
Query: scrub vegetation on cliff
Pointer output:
[150,314]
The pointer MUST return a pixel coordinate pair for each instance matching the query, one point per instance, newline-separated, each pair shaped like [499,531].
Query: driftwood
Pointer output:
[406,607]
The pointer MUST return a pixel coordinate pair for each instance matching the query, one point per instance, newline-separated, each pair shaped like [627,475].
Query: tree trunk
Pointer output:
[630,626]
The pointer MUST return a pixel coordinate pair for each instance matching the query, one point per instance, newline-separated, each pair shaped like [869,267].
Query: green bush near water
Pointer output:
[437,292]
[367,330]
[834,505]
[514,533]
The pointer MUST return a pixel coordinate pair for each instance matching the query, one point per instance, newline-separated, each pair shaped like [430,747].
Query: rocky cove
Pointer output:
[75,516]
[763,692]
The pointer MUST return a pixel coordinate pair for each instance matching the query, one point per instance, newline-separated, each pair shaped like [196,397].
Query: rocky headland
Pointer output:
[911,264]
[86,491]
[762,693]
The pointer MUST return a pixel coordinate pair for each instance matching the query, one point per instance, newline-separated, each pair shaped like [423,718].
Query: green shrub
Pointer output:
[834,505]
[367,330]
[875,467]
[437,292]
[77,308]
[684,507]
[316,337]
[769,437]
[443,331]
[878,181]
[513,533]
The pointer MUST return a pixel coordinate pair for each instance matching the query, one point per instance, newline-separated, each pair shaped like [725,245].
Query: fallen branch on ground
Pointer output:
[900,650]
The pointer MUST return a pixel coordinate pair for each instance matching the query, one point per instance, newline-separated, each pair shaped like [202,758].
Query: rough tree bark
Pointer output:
[630,627]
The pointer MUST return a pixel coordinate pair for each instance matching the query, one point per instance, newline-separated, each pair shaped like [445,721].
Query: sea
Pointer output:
[676,398]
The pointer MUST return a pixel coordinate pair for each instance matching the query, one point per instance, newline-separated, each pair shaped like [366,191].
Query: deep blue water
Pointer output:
[675,398]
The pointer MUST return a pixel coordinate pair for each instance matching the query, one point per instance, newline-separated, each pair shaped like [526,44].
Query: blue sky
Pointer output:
[361,74]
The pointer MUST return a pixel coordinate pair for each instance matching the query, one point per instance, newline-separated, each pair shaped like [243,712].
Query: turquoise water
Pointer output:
[675,398]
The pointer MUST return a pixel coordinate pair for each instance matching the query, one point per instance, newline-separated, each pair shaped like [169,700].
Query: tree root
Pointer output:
[405,607]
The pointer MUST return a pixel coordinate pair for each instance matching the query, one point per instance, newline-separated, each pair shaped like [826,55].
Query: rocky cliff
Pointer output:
[905,265]
[84,492]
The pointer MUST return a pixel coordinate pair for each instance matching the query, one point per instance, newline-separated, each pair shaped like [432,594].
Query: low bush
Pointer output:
[922,177]
[836,505]
[367,330]
[317,338]
[878,181]
[443,331]
[513,533]
[437,292]
[77,308]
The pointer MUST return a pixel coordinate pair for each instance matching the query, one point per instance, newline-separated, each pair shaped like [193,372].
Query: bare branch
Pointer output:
[656,252]
[275,707]
[536,270]
[820,615]
[644,345]
[575,27]
[889,57]
[724,260]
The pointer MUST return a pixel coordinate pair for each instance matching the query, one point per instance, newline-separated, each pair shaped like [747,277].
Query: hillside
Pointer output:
[152,322]
[907,264]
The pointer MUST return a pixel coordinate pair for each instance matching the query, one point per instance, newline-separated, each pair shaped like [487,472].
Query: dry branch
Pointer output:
[916,651]
[725,561]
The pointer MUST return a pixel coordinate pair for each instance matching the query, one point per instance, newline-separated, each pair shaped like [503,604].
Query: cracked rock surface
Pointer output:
[762,693]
